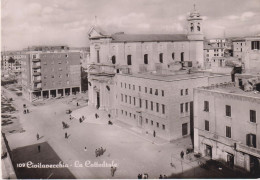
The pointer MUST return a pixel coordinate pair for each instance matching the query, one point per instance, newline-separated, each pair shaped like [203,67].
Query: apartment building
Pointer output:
[239,47]
[252,54]
[11,61]
[226,119]
[50,74]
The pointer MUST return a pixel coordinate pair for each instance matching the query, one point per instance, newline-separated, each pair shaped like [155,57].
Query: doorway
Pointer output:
[230,160]
[208,150]
[98,100]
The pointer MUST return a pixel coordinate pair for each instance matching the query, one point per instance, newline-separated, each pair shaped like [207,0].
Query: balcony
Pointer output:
[36,60]
[36,66]
[248,150]
[101,69]
[36,73]
[37,80]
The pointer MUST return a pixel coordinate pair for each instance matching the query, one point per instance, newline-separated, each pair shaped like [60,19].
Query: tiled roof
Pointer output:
[148,37]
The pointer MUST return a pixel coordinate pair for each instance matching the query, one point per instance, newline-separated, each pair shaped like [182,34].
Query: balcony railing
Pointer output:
[36,73]
[249,150]
[37,80]
[36,66]
[36,60]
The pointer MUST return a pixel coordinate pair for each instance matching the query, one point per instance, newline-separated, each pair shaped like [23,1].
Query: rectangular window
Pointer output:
[125,98]
[181,92]
[126,113]
[162,92]
[186,106]
[163,108]
[251,140]
[252,116]
[146,104]
[156,92]
[130,99]
[186,91]
[146,121]
[206,106]
[228,131]
[151,91]
[157,124]
[157,107]
[151,122]
[145,89]
[255,45]
[181,107]
[140,103]
[184,129]
[134,100]
[228,110]
[151,105]
[206,125]
[130,114]
[163,127]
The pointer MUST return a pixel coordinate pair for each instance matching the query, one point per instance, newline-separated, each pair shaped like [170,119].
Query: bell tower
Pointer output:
[195,26]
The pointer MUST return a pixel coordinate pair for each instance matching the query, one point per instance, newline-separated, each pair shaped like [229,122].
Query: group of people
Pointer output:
[99,151]
[163,177]
[113,170]
[142,176]
[81,119]
[65,125]
[25,110]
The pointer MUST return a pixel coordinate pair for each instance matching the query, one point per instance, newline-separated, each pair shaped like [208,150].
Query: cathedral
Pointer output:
[147,80]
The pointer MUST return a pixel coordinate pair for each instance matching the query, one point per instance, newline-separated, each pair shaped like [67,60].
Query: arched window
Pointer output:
[113,59]
[146,59]
[129,60]
[161,57]
[198,27]
[182,56]
[191,27]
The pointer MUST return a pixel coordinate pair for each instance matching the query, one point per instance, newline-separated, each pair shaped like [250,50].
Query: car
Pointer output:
[68,111]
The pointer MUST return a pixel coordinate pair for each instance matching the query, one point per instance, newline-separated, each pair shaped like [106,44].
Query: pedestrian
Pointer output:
[109,115]
[66,135]
[96,115]
[27,110]
[165,177]
[77,104]
[182,154]
[80,120]
[160,177]
[37,136]
[153,133]
[24,111]
[113,170]
[96,152]
[101,151]
[139,176]
[85,149]
[70,117]
[39,148]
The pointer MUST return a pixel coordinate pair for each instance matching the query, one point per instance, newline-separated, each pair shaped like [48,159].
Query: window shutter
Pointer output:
[248,139]
[252,45]
[254,140]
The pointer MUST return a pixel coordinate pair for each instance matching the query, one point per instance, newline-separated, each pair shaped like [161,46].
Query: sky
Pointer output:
[67,22]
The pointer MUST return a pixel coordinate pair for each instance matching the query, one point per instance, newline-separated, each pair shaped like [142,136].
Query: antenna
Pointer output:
[95,20]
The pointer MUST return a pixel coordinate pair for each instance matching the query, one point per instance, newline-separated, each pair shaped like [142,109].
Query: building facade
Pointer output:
[14,65]
[226,119]
[50,74]
[146,80]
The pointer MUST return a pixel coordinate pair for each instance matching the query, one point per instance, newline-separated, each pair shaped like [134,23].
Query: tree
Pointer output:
[11,61]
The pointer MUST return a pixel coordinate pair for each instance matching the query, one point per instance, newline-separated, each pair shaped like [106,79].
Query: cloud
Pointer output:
[232,17]
[247,15]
